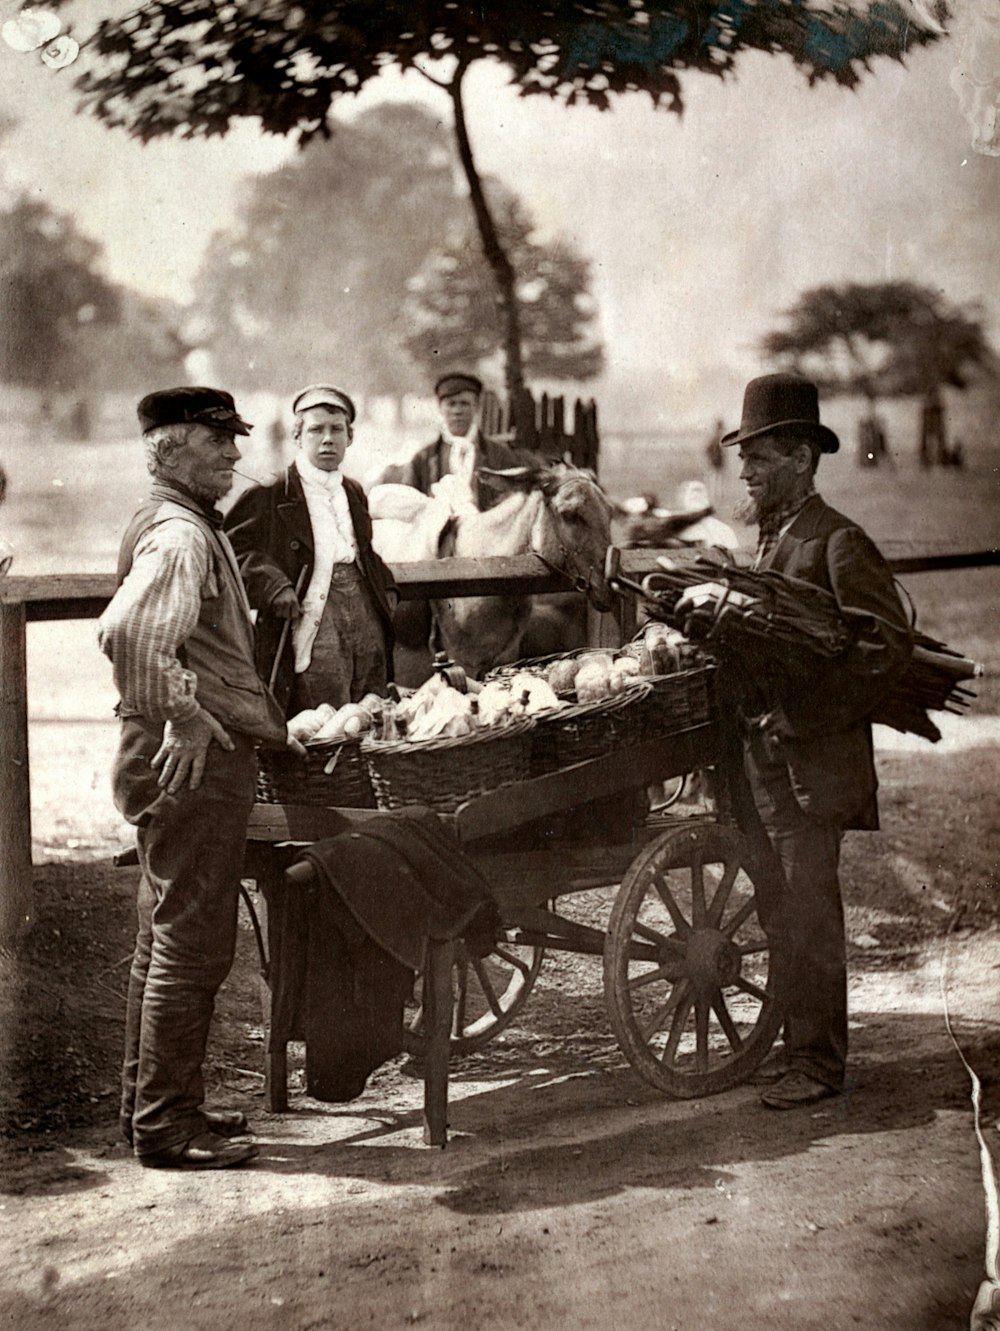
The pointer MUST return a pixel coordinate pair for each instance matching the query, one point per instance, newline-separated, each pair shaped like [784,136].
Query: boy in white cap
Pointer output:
[305,553]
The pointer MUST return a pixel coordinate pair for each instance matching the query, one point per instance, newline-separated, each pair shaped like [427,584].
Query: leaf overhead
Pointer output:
[191,66]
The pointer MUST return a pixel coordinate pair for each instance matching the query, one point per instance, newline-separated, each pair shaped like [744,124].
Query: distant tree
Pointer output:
[453,310]
[313,279]
[144,346]
[884,339]
[52,293]
[194,66]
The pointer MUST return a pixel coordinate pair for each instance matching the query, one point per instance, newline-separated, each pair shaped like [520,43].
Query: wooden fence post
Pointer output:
[16,898]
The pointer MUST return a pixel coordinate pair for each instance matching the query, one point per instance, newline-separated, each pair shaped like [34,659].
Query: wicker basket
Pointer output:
[284,777]
[675,702]
[443,774]
[585,730]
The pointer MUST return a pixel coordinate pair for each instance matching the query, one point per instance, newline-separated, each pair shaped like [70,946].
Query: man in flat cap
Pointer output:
[179,635]
[808,741]
[460,449]
[304,545]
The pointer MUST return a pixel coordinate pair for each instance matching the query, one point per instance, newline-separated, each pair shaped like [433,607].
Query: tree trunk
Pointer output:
[496,255]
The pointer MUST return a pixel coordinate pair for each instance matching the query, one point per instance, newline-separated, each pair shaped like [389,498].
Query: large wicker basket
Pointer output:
[675,702]
[584,730]
[284,777]
[445,773]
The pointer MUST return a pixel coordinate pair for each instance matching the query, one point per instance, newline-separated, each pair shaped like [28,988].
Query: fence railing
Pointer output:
[25,600]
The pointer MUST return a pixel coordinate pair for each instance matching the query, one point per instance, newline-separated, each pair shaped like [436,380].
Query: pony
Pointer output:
[551,509]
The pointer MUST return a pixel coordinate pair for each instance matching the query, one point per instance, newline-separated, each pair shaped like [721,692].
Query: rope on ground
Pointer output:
[985,1315]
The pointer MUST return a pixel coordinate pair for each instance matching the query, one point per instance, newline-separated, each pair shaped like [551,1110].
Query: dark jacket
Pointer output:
[431,463]
[271,533]
[830,760]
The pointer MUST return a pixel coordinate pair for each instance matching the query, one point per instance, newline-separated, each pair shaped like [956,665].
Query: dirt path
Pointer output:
[568,1198]
[571,1196]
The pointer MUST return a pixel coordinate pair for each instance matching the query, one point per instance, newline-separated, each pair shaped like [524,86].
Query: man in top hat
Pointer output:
[304,544]
[179,635]
[460,449]
[808,742]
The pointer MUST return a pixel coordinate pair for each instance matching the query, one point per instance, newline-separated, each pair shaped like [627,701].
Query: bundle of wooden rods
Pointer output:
[786,616]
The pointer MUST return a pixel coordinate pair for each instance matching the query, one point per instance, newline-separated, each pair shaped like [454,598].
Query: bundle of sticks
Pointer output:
[785,616]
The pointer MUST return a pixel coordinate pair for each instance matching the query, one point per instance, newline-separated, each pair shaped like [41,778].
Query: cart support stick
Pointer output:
[437,1017]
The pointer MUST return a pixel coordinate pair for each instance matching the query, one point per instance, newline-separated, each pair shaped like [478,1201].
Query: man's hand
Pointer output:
[296,745]
[286,605]
[775,728]
[182,754]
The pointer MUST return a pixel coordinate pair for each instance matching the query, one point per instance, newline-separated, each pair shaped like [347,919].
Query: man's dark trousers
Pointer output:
[814,986]
[191,854]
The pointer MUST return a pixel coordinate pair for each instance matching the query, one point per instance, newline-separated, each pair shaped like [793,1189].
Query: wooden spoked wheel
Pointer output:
[487,993]
[689,979]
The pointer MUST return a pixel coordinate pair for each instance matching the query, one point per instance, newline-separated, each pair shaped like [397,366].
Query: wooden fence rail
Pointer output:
[25,600]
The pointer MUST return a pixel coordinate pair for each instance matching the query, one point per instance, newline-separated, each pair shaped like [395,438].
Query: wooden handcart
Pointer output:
[689,976]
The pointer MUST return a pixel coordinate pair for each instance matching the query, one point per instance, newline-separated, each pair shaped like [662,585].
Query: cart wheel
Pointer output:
[488,993]
[689,979]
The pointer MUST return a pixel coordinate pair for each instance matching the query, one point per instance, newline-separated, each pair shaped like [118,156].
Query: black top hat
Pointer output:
[781,404]
[457,382]
[200,406]
[324,395]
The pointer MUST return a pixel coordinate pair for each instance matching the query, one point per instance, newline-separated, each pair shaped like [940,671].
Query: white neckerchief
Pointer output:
[333,543]
[462,456]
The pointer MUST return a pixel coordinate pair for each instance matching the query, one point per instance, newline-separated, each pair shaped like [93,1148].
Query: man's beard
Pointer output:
[755,509]
[748,511]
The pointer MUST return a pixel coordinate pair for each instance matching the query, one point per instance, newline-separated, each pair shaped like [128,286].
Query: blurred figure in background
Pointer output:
[448,469]
[714,455]
[873,448]
[691,522]
[459,450]
[704,528]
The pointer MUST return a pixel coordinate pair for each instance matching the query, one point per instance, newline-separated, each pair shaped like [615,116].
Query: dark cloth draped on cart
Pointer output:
[354,939]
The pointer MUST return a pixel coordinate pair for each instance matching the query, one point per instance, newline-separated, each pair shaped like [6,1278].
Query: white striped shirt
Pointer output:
[152,614]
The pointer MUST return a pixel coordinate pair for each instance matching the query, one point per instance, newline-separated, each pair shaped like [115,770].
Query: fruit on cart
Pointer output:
[306,724]
[624,672]
[450,715]
[561,675]
[532,693]
[593,679]
[495,701]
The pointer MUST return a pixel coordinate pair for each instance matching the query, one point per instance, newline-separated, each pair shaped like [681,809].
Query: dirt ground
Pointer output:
[571,1195]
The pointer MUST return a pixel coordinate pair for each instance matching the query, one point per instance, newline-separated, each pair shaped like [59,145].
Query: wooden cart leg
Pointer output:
[275,1042]
[437,1016]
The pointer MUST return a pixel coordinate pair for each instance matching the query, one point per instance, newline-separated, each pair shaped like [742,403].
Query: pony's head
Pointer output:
[574,527]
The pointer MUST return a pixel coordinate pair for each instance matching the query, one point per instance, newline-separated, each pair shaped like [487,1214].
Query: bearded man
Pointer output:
[808,741]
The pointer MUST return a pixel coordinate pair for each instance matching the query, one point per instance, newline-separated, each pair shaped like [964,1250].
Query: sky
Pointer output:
[700,230]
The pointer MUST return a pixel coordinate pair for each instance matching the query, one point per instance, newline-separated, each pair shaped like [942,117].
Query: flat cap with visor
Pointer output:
[457,382]
[324,395]
[191,405]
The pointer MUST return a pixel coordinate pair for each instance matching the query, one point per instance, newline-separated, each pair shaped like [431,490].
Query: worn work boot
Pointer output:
[795,1089]
[223,1122]
[773,1068]
[206,1151]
